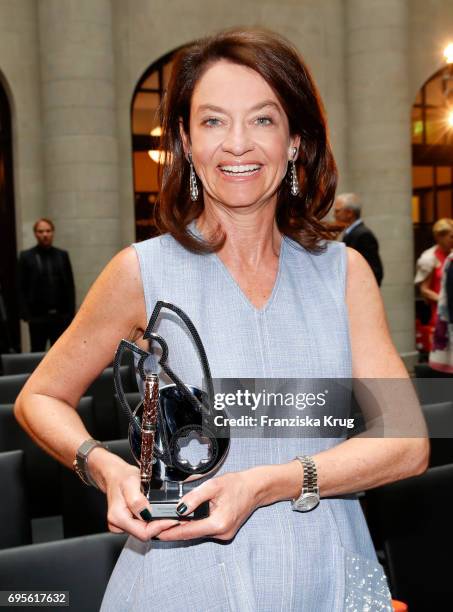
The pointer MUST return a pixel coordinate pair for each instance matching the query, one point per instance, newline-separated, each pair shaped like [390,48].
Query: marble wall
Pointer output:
[70,68]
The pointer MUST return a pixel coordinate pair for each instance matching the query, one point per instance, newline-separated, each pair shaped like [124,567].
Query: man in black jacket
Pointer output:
[356,234]
[46,288]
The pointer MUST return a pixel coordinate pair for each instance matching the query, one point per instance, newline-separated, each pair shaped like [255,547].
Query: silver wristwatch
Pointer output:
[309,497]
[80,463]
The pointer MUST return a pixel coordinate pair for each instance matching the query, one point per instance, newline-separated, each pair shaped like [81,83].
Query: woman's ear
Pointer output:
[185,138]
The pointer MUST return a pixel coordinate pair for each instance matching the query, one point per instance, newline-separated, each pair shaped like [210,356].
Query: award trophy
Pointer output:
[167,420]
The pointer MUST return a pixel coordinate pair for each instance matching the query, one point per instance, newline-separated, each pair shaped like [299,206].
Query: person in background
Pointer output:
[441,355]
[46,288]
[429,268]
[356,234]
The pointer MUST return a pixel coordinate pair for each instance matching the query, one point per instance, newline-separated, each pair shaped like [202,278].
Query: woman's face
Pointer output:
[445,241]
[239,136]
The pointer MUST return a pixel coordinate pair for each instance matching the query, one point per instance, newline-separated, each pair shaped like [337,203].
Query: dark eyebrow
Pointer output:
[218,109]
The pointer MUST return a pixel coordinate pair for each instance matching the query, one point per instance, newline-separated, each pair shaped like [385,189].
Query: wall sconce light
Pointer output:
[448,53]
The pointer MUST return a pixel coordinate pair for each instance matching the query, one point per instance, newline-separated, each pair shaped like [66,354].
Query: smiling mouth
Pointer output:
[240,170]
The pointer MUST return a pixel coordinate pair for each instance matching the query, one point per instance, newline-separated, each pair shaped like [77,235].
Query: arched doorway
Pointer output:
[145,142]
[432,176]
[9,321]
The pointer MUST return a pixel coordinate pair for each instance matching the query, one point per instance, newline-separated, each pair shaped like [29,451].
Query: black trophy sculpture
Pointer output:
[167,420]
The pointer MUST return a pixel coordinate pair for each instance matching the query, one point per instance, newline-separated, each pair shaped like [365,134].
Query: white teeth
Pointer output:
[238,169]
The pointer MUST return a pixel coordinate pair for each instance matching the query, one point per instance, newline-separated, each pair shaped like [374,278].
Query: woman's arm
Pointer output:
[362,463]
[354,465]
[425,290]
[46,407]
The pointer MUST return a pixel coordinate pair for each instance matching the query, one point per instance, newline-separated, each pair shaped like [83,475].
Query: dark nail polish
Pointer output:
[181,508]
[146,515]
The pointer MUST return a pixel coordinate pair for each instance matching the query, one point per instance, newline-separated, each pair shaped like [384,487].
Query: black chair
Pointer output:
[84,508]
[105,415]
[20,363]
[133,400]
[81,566]
[42,472]
[412,518]
[15,526]
[423,370]
[86,411]
[10,387]
[439,418]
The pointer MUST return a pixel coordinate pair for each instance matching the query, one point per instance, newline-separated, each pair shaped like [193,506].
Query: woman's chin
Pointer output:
[236,199]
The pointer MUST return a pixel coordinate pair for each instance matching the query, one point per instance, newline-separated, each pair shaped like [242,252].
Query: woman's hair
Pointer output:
[280,65]
[442,227]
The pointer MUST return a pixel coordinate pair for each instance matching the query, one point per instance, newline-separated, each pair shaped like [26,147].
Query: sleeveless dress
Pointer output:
[318,561]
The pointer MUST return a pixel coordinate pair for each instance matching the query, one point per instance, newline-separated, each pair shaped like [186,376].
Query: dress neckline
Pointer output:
[232,281]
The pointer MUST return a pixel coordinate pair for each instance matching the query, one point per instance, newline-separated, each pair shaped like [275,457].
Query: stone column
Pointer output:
[80,142]
[333,86]
[379,106]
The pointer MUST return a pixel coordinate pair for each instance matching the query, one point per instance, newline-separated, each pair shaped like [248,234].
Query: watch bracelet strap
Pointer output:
[310,475]
[80,463]
[310,480]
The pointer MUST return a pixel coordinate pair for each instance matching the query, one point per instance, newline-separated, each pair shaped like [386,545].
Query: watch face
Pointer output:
[308,502]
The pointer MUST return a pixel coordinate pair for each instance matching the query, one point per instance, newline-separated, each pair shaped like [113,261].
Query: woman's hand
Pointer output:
[128,509]
[232,499]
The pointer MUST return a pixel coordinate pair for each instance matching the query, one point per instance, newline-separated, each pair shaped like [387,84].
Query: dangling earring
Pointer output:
[294,182]
[193,181]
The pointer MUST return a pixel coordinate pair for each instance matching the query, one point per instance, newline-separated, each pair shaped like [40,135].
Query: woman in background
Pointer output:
[429,270]
[441,356]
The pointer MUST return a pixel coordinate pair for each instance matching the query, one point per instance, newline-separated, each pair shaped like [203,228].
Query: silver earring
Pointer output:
[193,181]
[294,182]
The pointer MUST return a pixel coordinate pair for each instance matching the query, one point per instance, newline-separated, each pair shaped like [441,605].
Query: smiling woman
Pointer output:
[275,102]
[246,254]
[240,151]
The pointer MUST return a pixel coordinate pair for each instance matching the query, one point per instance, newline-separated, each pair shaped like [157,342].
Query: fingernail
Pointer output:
[181,508]
[146,515]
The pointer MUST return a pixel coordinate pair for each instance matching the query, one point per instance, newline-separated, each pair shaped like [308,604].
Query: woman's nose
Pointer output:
[237,140]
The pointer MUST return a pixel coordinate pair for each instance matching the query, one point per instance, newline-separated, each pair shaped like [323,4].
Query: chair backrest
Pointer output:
[413,520]
[84,508]
[15,526]
[423,370]
[41,470]
[20,363]
[133,399]
[81,566]
[439,418]
[85,410]
[10,387]
[105,414]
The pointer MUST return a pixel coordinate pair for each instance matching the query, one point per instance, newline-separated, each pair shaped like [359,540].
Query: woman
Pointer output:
[441,356]
[429,269]
[247,257]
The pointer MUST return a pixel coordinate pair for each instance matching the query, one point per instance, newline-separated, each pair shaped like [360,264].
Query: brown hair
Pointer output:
[280,65]
[43,220]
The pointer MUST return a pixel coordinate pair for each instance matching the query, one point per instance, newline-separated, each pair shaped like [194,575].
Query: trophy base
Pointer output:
[167,510]
[164,503]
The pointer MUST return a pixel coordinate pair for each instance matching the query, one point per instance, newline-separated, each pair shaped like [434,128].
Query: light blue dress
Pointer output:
[280,560]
